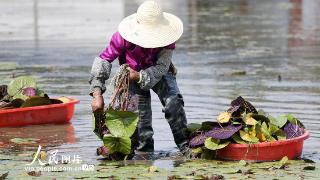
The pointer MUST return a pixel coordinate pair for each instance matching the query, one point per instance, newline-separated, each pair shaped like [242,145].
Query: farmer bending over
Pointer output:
[145,41]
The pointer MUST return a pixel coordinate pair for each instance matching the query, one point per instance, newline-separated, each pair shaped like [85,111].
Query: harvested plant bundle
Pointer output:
[116,126]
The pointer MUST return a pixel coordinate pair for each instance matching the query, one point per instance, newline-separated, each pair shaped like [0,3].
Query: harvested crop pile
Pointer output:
[117,125]
[23,92]
[242,124]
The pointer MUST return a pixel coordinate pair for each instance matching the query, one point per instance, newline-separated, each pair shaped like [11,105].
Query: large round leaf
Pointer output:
[223,132]
[197,140]
[121,123]
[213,144]
[117,144]
[280,121]
[15,88]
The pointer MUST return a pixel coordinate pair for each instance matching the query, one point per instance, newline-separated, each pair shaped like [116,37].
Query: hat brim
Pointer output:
[164,33]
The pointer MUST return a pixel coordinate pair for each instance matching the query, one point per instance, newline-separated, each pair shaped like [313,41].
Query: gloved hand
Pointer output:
[97,103]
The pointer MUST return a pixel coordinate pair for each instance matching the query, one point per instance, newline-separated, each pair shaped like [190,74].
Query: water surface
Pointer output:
[277,44]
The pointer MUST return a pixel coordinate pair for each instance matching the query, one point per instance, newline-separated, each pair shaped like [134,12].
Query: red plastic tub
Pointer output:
[265,151]
[54,113]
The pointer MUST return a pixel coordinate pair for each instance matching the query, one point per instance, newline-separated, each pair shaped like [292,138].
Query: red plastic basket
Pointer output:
[265,151]
[54,113]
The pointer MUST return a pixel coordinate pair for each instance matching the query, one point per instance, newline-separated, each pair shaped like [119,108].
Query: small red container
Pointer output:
[54,113]
[265,151]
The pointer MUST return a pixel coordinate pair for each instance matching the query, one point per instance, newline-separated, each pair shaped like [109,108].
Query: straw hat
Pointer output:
[150,27]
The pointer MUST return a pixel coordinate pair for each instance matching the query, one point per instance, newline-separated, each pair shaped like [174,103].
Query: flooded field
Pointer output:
[266,51]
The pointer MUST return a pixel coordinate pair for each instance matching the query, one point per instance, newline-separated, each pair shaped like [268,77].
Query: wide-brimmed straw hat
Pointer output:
[150,27]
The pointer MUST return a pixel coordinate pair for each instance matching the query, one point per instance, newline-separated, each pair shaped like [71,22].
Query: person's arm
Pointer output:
[101,67]
[152,75]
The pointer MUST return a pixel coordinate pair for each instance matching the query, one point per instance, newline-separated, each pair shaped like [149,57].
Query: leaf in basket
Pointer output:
[197,140]
[214,144]
[224,117]
[249,120]
[280,121]
[238,139]
[223,132]
[16,86]
[293,130]
[36,101]
[192,127]
[121,123]
[294,120]
[117,144]
[246,136]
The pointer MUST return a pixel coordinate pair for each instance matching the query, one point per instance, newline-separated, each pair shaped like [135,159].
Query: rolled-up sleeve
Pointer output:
[152,75]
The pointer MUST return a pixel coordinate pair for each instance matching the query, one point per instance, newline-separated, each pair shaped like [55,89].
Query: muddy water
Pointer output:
[276,44]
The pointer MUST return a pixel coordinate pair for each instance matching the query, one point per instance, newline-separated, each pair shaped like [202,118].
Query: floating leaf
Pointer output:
[309,167]
[224,117]
[34,173]
[121,123]
[283,162]
[16,86]
[213,144]
[8,65]
[117,144]
[24,140]
[153,169]
[223,132]
[36,101]
[293,130]
[242,163]
[197,140]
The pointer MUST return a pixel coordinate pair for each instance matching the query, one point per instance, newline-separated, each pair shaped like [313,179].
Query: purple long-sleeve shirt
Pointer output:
[138,58]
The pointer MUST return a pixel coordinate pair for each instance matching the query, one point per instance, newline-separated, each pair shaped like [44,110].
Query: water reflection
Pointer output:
[45,135]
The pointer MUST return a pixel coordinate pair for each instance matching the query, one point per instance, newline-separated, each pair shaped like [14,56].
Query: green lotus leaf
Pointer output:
[238,139]
[16,86]
[280,121]
[192,127]
[208,125]
[117,144]
[294,120]
[214,144]
[247,137]
[24,140]
[121,123]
